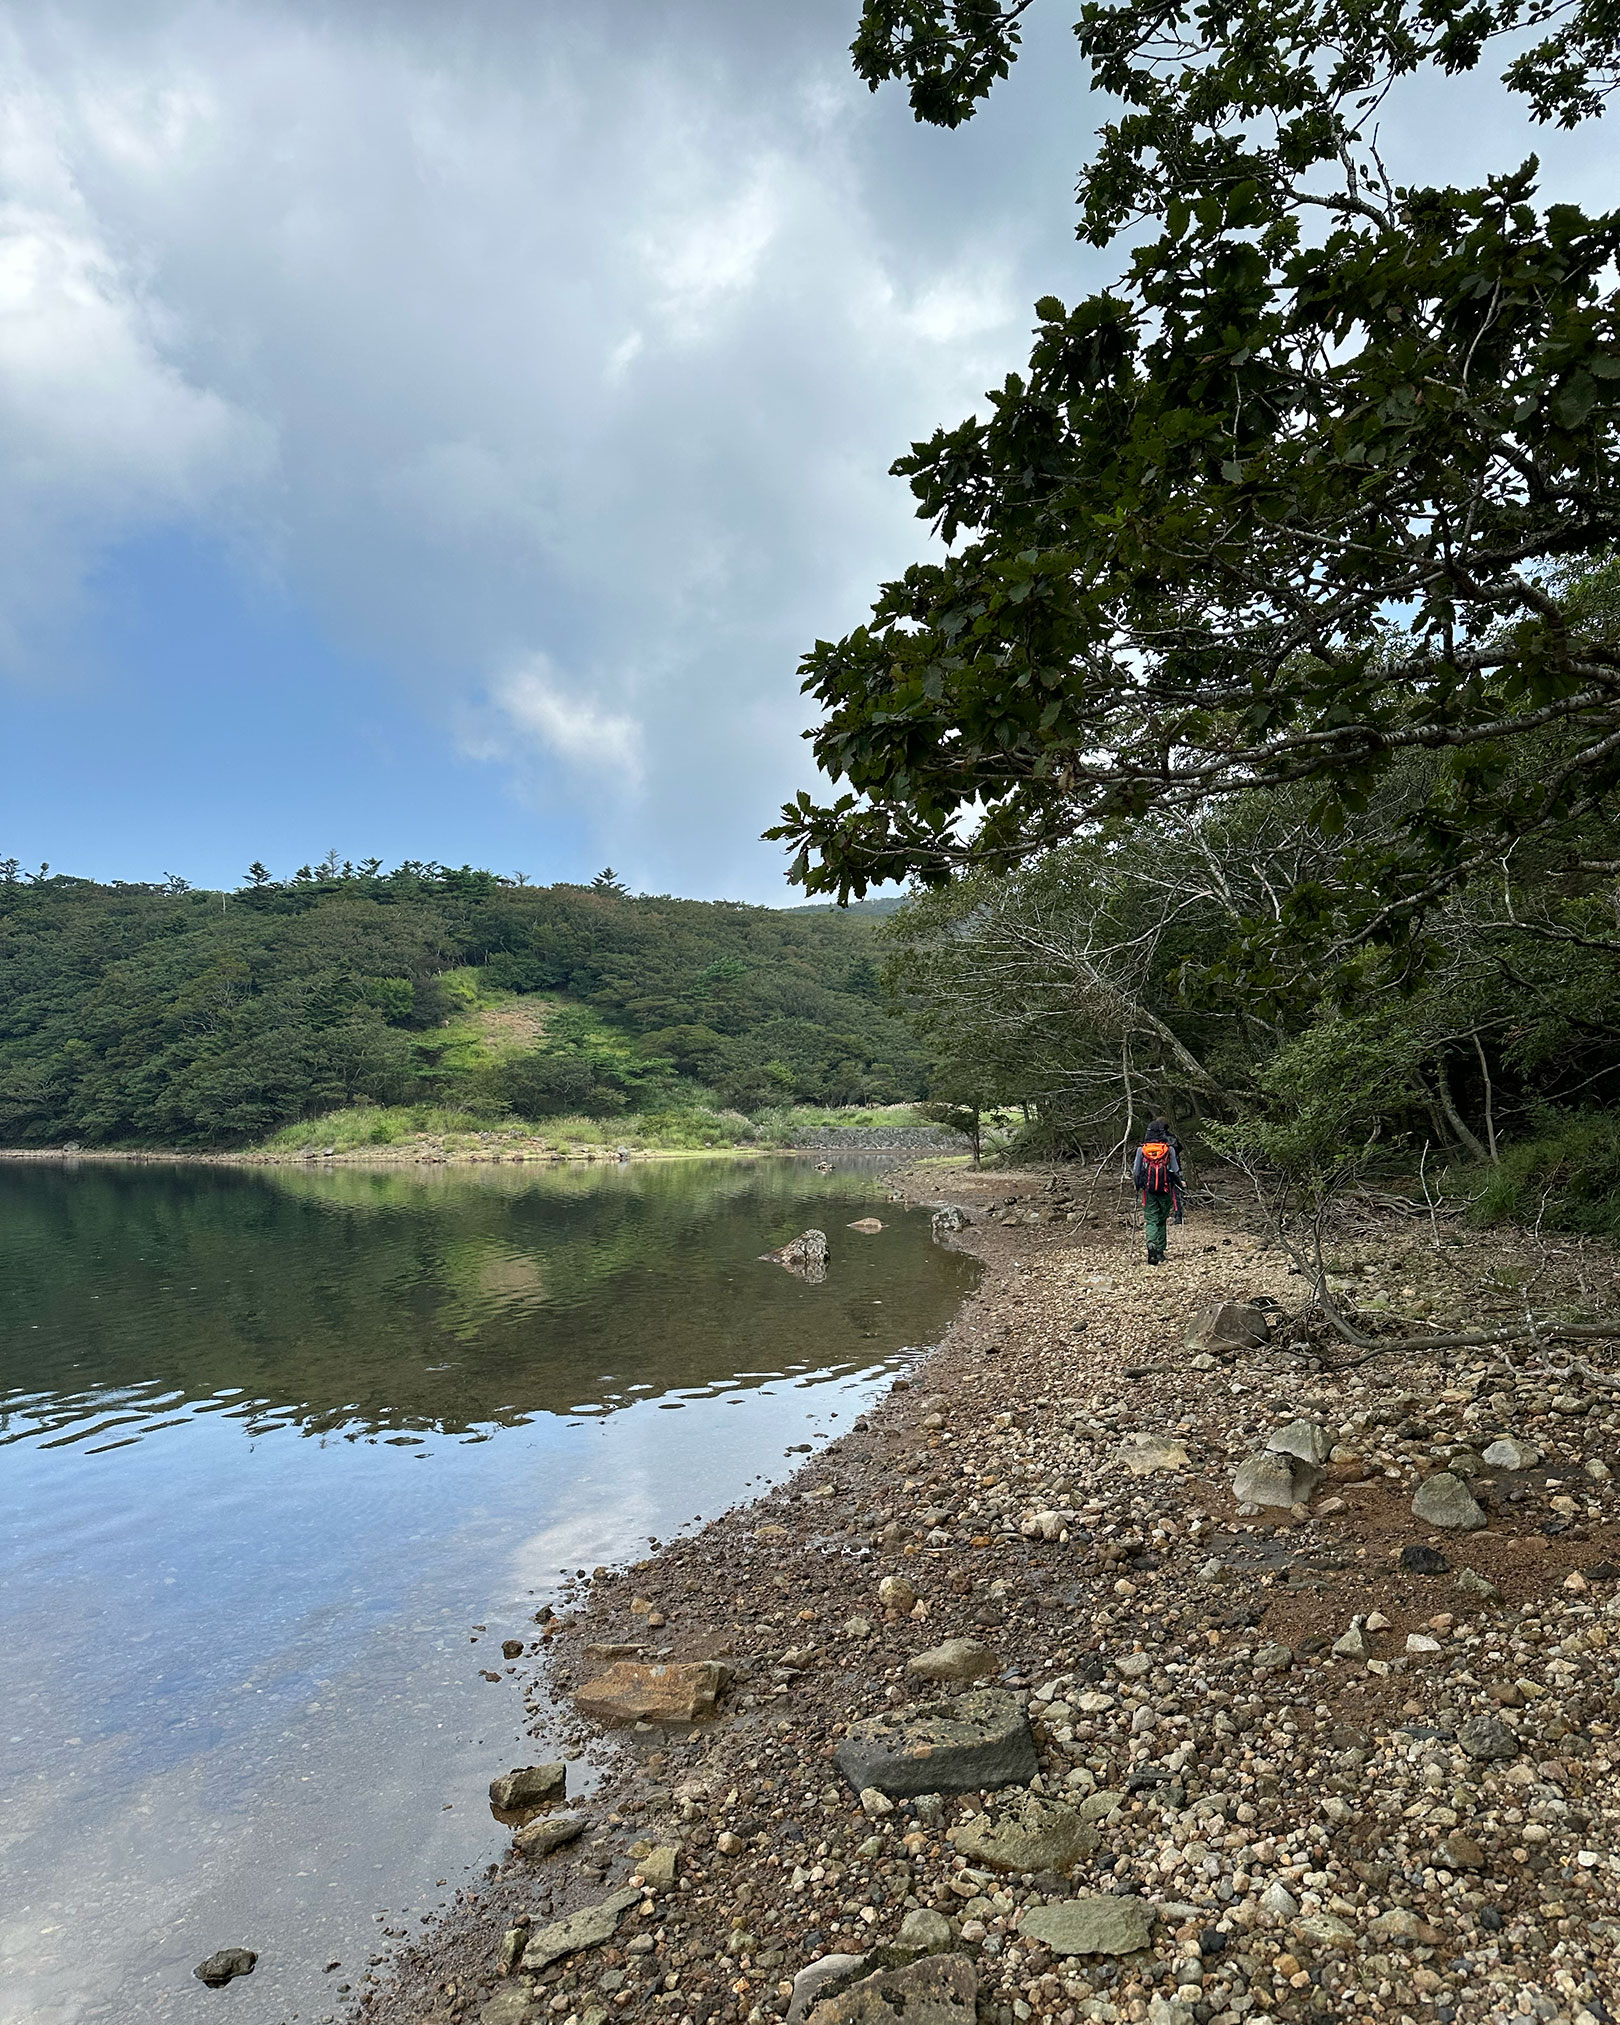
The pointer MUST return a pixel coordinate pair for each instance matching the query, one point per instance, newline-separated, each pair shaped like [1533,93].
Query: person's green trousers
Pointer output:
[1156,1207]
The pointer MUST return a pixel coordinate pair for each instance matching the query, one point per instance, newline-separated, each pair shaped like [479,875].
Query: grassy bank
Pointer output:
[439,1130]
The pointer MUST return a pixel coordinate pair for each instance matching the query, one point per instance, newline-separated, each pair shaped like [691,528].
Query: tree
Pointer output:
[608,881]
[1311,489]
[258,876]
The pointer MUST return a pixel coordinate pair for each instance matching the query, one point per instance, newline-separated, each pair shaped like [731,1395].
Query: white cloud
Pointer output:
[574,729]
[589,330]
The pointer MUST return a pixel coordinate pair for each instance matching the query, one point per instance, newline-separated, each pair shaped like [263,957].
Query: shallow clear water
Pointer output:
[275,1445]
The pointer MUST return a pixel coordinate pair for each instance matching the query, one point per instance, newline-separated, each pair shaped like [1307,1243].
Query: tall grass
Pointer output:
[1567,1177]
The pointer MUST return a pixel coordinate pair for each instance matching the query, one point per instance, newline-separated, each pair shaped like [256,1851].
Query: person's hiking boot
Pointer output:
[1155,1258]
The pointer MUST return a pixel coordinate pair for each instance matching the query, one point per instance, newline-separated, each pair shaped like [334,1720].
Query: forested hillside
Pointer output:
[164,1016]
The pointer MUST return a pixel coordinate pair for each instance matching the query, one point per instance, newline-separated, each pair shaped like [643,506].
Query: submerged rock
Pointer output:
[224,1966]
[550,1832]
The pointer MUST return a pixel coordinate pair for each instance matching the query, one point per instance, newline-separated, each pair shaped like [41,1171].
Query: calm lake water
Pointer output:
[285,1455]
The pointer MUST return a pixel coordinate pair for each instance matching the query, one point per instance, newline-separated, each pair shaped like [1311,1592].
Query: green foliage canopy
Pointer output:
[1300,496]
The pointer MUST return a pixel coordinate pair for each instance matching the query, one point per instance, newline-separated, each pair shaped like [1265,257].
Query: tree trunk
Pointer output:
[1453,1114]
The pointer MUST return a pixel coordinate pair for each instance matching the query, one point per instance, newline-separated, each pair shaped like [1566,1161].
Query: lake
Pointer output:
[285,1454]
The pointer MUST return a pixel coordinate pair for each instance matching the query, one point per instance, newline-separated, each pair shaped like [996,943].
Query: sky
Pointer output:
[436,430]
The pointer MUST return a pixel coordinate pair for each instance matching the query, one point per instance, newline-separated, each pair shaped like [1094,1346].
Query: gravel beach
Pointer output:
[1009,1706]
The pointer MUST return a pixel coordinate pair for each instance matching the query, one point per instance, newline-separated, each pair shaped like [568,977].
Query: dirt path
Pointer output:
[1307,1834]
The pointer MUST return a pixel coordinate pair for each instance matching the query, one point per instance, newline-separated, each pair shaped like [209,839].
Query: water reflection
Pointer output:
[385,1305]
[286,1455]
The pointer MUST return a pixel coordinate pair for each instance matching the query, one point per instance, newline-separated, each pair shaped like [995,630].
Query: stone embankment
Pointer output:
[1100,1673]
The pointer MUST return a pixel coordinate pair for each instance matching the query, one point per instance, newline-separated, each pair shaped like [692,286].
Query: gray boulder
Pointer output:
[527,1787]
[1307,1440]
[974,1742]
[938,1990]
[588,1928]
[820,1979]
[1445,1500]
[1506,1453]
[1042,1835]
[923,1932]
[550,1832]
[1228,1325]
[1091,1926]
[1270,1479]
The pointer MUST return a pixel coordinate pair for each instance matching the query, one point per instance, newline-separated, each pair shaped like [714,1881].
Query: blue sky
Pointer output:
[436,433]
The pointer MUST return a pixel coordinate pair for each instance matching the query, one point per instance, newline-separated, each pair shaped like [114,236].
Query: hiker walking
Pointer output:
[1157,1174]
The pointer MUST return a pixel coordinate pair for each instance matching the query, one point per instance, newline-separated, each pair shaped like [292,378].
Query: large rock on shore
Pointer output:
[1228,1325]
[588,1928]
[528,1787]
[938,1990]
[684,1691]
[1091,1926]
[1445,1500]
[975,1742]
[550,1832]
[1272,1479]
[1042,1835]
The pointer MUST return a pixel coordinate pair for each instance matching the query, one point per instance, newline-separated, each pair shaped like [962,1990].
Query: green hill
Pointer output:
[139,1015]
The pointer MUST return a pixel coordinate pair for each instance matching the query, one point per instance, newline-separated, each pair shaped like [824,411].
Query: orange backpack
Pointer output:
[1156,1166]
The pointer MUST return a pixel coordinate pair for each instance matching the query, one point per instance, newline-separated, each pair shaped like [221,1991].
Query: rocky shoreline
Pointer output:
[1007,1707]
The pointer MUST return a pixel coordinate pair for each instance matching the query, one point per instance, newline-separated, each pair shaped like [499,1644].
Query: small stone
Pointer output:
[657,1869]
[939,1989]
[1269,1479]
[1325,1930]
[1091,1926]
[1421,1560]
[1421,1645]
[896,1593]
[1474,1584]
[1400,1923]
[858,1627]
[1462,1852]
[511,1648]
[550,1832]
[1507,1453]
[1485,1736]
[1146,1455]
[1351,1645]
[729,1843]
[923,1932]
[1272,1657]
[1375,1620]
[528,1787]
[1280,1901]
[1306,1440]
[868,1226]
[875,1804]
[224,1965]
[1445,1500]
[956,1659]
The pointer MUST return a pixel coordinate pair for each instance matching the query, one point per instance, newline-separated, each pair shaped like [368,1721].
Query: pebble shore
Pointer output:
[1333,1761]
